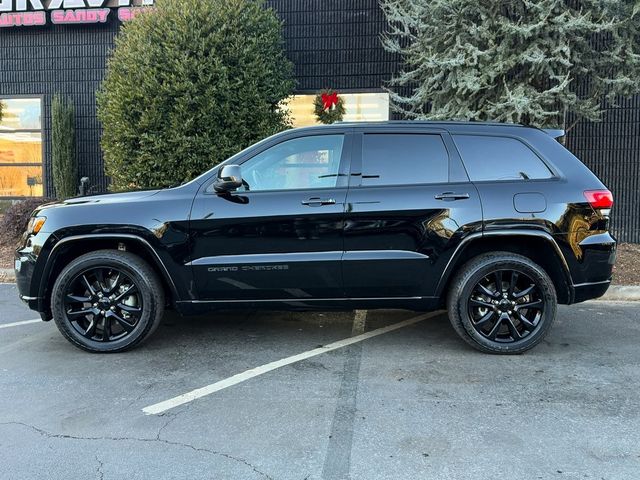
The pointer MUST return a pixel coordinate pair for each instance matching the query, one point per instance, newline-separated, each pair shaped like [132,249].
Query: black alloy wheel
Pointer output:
[107,301]
[506,306]
[502,303]
[103,304]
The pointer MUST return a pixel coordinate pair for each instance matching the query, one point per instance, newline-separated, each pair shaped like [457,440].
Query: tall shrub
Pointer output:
[187,86]
[513,60]
[63,151]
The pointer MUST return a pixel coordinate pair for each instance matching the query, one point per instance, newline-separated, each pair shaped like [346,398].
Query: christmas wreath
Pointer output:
[329,107]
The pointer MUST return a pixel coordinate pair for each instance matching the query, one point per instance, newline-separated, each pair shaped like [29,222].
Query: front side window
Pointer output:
[499,158]
[301,163]
[400,159]
[21,148]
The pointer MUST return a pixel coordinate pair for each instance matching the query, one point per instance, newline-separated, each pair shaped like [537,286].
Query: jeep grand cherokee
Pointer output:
[496,222]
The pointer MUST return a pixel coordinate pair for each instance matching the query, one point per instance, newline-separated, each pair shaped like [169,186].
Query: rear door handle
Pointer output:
[449,196]
[317,202]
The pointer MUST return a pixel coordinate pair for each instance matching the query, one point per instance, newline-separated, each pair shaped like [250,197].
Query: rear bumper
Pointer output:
[590,291]
[591,266]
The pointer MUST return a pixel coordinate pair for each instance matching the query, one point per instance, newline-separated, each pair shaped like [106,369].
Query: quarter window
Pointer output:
[400,159]
[499,158]
[20,147]
[301,163]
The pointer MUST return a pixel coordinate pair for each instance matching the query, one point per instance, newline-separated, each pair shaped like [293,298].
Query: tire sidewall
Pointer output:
[543,283]
[144,325]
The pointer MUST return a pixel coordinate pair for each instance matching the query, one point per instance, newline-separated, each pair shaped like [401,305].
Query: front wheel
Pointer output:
[107,301]
[502,303]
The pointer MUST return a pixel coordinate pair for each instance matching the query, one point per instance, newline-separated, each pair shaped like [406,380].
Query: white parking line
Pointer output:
[162,407]
[19,324]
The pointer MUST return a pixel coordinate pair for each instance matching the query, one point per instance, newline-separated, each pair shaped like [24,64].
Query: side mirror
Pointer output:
[229,179]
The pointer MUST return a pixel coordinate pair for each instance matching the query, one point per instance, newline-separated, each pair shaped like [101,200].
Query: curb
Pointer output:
[621,293]
[7,275]
[616,293]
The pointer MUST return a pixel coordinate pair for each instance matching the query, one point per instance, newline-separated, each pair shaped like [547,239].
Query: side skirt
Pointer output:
[420,304]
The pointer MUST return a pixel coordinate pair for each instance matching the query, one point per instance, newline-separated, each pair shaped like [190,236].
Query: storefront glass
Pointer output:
[21,148]
[359,107]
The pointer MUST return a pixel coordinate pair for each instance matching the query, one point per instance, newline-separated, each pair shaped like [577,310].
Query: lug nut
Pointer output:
[113,309]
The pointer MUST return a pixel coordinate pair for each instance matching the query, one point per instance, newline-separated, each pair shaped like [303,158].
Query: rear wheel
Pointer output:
[107,301]
[502,303]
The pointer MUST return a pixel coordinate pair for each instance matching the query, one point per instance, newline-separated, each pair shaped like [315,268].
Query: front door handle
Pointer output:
[449,196]
[317,202]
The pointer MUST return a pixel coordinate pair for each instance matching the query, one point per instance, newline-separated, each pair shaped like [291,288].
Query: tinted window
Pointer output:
[398,159]
[302,163]
[499,158]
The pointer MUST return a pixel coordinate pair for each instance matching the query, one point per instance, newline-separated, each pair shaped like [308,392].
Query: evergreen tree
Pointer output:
[63,148]
[536,62]
[188,85]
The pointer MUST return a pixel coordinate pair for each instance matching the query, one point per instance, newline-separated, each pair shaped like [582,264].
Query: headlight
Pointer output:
[35,225]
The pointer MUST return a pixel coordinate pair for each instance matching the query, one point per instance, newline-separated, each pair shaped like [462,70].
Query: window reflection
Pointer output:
[302,163]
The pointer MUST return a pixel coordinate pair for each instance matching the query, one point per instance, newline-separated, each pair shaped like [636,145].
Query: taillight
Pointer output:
[599,199]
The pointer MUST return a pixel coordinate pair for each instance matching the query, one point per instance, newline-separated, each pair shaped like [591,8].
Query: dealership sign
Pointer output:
[31,13]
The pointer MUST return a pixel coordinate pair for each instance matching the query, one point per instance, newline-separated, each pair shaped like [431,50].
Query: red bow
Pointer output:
[329,100]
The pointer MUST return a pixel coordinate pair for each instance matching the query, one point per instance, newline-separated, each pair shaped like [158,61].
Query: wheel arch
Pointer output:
[70,248]
[538,246]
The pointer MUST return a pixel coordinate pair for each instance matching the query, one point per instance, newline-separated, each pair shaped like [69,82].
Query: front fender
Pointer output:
[166,259]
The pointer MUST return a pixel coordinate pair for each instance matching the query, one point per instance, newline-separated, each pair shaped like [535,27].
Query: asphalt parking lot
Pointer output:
[411,403]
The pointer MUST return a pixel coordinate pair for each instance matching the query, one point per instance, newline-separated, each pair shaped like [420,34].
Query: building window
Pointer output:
[359,107]
[21,148]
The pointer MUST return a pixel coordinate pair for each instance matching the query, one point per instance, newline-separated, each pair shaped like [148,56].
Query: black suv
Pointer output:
[496,222]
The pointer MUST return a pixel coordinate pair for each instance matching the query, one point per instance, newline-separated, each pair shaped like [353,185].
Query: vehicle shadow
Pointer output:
[304,329]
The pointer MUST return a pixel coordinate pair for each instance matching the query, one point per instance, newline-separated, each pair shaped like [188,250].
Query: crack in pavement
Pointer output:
[99,470]
[48,434]
[171,419]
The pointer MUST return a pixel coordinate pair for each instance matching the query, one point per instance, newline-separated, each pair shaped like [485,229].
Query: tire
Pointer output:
[499,320]
[107,301]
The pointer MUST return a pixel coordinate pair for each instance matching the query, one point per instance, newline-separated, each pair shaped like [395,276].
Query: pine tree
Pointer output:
[537,62]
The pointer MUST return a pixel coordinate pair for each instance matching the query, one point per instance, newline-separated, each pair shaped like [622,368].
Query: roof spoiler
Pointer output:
[554,132]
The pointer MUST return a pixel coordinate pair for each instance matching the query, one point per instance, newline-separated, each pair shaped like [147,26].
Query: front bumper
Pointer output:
[29,265]
[25,265]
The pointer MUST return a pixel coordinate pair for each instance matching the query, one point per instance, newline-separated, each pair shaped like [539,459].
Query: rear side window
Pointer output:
[400,159]
[499,158]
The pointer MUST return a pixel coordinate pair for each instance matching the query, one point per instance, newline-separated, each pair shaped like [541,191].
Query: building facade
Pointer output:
[61,46]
